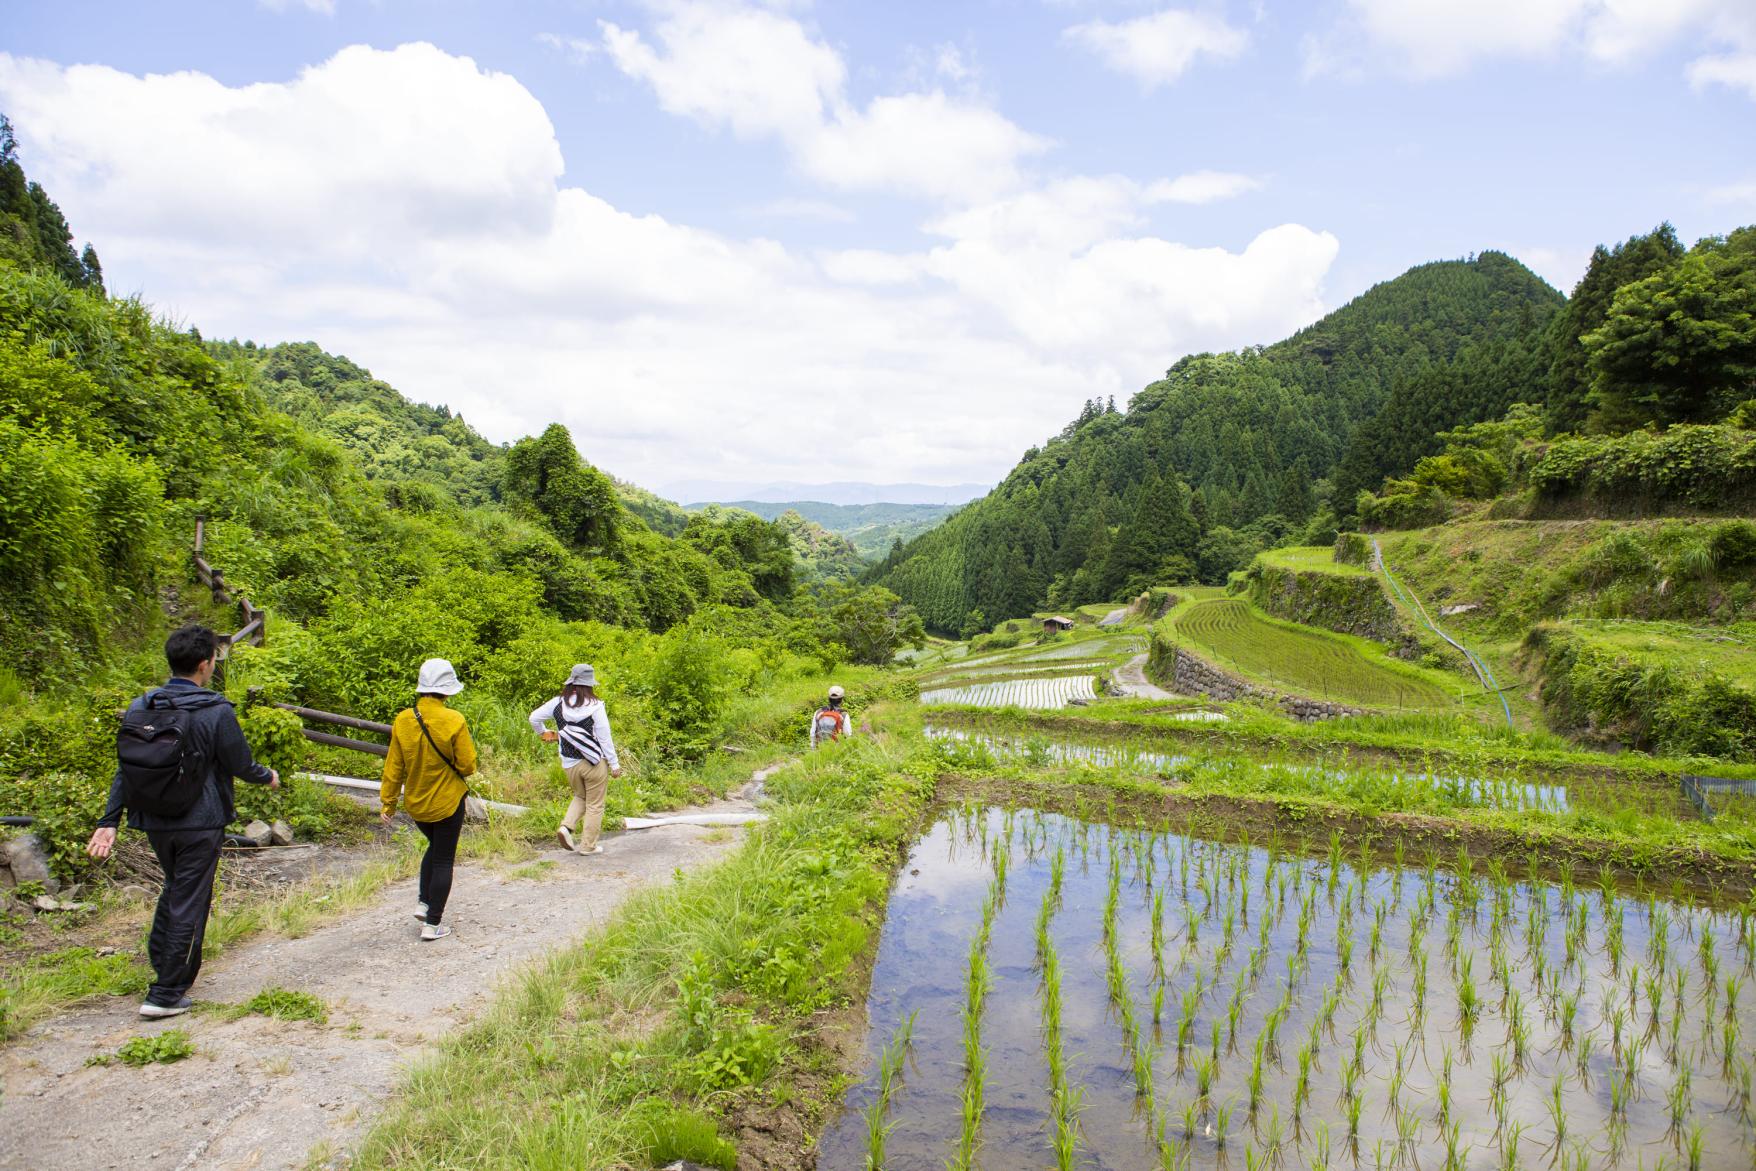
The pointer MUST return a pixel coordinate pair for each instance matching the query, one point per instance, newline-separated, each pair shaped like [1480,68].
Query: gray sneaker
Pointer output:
[434,931]
[421,911]
[157,1011]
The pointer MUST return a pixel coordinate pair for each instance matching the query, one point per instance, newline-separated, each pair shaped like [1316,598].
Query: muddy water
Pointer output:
[1566,1036]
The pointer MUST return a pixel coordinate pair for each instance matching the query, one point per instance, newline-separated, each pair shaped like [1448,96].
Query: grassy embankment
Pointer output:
[1636,633]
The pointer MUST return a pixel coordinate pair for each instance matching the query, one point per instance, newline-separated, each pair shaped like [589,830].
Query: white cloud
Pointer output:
[748,69]
[1737,70]
[333,206]
[1203,187]
[761,74]
[1440,38]
[1157,48]
[326,7]
[920,144]
[578,50]
[1732,193]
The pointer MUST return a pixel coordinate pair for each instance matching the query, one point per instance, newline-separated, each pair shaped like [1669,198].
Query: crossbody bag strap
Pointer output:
[429,735]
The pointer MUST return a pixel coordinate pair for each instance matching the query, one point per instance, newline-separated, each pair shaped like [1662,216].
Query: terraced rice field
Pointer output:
[1018,669]
[1041,694]
[1232,635]
[1059,993]
[1091,647]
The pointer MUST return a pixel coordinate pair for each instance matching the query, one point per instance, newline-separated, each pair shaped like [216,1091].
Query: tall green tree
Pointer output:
[1570,377]
[1680,345]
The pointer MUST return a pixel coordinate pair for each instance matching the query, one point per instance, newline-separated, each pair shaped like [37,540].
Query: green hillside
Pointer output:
[1225,456]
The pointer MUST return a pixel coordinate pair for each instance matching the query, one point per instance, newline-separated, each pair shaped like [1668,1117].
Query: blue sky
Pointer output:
[845,241]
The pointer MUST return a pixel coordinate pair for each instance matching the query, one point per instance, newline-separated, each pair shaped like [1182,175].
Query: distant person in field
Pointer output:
[830,722]
[177,751]
[588,754]
[431,754]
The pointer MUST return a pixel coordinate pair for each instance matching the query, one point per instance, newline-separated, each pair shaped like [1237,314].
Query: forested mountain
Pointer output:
[873,528]
[1232,451]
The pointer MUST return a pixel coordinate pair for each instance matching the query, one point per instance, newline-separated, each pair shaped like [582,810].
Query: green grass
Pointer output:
[1728,650]
[1236,636]
[164,1048]
[1311,559]
[287,1004]
[44,984]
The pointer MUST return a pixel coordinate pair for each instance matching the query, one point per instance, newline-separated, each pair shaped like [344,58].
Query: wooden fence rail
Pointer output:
[322,717]
[255,628]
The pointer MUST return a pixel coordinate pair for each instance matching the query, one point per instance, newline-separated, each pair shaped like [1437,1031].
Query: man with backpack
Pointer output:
[830,722]
[177,751]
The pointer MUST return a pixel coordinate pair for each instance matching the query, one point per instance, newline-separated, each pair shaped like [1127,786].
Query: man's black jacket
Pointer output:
[215,726]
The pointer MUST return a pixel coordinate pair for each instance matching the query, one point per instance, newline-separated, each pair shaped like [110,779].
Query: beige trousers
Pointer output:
[589,783]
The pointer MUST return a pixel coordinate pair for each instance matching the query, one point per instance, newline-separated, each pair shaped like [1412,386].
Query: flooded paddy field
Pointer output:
[1051,992]
[975,745]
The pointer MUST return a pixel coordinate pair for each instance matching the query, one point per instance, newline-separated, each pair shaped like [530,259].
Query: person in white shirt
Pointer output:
[588,753]
[831,722]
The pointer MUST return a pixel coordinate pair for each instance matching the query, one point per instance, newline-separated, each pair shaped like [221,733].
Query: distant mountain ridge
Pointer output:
[844,492]
[873,528]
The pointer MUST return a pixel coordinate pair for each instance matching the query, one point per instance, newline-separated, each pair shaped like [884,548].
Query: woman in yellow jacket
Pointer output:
[430,755]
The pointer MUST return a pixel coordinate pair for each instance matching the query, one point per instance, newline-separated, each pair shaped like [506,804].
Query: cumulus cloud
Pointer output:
[1438,38]
[761,74]
[406,207]
[1159,47]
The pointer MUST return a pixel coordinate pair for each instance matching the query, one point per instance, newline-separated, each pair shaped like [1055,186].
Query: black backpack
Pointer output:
[163,766]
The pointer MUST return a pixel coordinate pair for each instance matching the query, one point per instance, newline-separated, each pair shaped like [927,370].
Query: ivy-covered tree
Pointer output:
[546,479]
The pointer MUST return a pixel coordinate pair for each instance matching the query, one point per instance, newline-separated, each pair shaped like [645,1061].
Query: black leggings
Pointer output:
[437,862]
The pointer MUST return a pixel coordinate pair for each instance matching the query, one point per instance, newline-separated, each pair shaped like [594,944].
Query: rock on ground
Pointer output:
[261,1093]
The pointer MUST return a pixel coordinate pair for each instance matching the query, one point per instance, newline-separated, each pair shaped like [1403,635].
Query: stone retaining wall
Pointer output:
[1175,669]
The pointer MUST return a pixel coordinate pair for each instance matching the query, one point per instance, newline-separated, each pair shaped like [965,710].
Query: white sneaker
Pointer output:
[421,911]
[434,931]
[597,849]
[564,836]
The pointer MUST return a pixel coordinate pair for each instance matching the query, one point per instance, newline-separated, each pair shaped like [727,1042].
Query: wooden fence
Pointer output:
[255,627]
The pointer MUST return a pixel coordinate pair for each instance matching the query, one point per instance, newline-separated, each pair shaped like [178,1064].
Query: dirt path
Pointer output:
[262,1093]
[1130,679]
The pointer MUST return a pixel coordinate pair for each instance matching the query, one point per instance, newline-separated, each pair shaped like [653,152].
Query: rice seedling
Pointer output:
[1509,1146]
[889,1077]
[1697,1145]
[1320,1147]
[1254,1082]
[1355,1104]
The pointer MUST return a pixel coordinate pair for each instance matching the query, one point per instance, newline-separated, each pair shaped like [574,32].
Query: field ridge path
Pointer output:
[1130,679]
[262,1093]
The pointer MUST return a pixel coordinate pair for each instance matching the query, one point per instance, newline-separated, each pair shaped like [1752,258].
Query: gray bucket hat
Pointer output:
[582,676]
[438,677]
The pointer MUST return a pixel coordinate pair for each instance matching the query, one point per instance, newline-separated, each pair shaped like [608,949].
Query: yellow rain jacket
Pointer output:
[428,787]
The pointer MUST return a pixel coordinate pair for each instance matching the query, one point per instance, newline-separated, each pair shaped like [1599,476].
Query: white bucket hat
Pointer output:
[438,677]
[836,692]
[582,676]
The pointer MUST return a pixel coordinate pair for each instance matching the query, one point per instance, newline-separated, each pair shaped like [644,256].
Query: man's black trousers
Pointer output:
[189,858]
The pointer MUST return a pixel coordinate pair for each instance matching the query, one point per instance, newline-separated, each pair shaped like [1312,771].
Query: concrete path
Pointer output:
[262,1093]
[1130,680]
